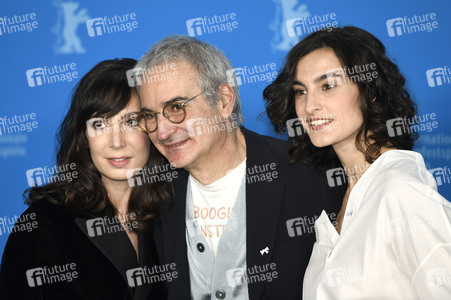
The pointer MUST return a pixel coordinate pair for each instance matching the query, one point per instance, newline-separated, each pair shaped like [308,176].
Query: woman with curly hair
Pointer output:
[92,237]
[392,236]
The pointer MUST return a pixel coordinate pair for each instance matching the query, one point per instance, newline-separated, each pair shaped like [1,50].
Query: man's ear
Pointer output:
[226,96]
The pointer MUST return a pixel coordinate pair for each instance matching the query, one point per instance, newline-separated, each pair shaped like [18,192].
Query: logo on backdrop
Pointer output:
[69,17]
[49,75]
[442,175]
[286,10]
[42,176]
[408,25]
[417,123]
[438,76]
[109,25]
[307,25]
[435,146]
[18,123]
[18,23]
[213,24]
[256,73]
[14,145]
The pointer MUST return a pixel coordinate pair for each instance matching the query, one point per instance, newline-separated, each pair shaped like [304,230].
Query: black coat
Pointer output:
[59,239]
[297,192]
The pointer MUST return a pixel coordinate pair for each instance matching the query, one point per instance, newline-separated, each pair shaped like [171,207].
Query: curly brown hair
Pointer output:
[353,46]
[103,91]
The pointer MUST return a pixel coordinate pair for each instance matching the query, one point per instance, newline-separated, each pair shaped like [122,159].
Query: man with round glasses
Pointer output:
[173,111]
[230,231]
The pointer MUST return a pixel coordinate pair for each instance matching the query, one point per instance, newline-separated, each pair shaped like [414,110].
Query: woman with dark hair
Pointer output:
[92,238]
[392,236]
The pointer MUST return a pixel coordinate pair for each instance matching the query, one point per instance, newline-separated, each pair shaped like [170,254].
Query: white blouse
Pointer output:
[395,240]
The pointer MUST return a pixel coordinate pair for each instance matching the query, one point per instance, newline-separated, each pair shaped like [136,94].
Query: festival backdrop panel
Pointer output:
[47,46]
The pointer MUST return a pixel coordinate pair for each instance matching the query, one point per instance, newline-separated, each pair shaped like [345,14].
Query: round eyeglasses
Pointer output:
[173,111]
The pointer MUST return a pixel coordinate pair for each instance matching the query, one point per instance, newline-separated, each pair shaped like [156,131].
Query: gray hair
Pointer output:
[211,65]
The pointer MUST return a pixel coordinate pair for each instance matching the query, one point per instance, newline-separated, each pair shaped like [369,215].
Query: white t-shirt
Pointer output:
[395,240]
[212,204]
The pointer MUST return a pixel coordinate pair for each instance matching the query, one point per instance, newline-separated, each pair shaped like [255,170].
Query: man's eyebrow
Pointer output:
[175,99]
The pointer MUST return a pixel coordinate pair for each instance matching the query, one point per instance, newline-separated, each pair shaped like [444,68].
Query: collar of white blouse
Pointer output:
[326,234]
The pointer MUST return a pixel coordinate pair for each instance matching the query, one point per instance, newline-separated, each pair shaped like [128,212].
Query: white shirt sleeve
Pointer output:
[418,235]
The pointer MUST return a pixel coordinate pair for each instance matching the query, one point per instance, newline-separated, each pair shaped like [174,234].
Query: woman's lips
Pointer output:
[119,161]
[319,124]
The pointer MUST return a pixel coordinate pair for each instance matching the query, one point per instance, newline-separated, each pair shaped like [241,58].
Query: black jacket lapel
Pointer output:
[263,201]
[115,246]
[171,244]
[147,253]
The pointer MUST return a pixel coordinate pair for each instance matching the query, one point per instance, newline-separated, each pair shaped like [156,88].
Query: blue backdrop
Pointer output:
[47,46]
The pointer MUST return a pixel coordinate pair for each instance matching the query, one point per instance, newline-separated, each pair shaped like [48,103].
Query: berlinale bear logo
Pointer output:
[66,26]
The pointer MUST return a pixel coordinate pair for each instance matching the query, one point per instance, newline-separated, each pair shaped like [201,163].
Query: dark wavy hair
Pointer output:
[353,46]
[103,91]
